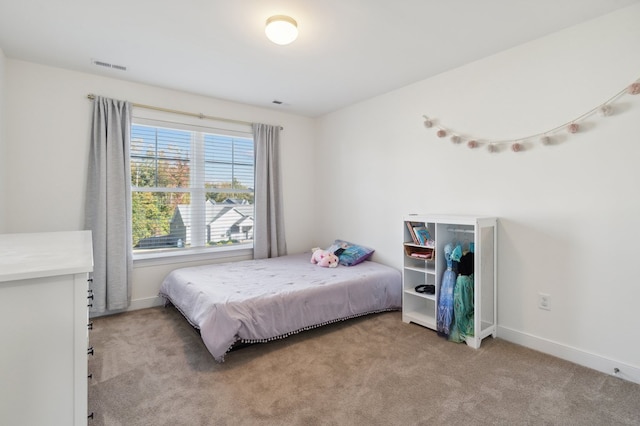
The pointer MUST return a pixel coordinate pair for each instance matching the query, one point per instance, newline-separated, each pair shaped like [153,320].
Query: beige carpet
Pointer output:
[151,368]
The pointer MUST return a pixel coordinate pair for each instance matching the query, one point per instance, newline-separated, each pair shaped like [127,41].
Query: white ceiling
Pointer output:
[347,50]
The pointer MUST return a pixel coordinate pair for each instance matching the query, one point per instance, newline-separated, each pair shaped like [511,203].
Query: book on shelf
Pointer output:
[422,235]
[412,234]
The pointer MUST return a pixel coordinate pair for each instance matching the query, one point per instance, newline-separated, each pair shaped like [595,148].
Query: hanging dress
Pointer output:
[462,326]
[445,298]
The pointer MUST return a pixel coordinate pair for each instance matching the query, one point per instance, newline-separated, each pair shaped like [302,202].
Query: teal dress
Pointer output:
[462,324]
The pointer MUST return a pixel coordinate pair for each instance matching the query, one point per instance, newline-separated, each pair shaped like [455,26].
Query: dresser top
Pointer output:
[45,254]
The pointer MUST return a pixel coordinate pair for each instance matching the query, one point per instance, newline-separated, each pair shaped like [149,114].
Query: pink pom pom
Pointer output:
[472,144]
[573,128]
[441,133]
[606,110]
[516,147]
[634,89]
[428,123]
[455,139]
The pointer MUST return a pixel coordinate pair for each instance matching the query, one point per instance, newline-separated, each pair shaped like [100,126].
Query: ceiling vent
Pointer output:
[108,65]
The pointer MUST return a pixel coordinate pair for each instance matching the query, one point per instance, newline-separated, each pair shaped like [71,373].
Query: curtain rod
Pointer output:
[91,96]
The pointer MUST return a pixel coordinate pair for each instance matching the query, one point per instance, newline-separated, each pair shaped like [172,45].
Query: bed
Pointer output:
[261,300]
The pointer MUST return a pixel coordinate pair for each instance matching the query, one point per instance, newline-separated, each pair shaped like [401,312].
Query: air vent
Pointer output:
[277,102]
[108,65]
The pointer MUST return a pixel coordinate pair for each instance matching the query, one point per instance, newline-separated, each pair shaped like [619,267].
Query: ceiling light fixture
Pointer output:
[281,29]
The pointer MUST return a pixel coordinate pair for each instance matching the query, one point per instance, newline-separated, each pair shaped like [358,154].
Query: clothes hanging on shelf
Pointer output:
[462,324]
[456,253]
[445,300]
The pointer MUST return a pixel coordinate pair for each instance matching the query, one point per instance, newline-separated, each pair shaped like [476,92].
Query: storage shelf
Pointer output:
[419,252]
[422,295]
[419,318]
[410,244]
[478,234]
[427,269]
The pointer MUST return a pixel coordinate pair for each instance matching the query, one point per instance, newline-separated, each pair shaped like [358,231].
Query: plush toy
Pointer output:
[324,258]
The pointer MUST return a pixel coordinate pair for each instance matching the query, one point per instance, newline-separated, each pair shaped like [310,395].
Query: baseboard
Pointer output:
[149,302]
[568,353]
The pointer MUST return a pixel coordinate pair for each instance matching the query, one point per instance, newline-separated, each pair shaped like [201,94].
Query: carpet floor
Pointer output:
[151,368]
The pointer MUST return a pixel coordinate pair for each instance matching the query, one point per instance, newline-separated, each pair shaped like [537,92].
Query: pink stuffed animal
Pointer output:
[324,258]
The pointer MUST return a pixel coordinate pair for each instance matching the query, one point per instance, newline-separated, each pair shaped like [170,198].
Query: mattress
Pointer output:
[260,300]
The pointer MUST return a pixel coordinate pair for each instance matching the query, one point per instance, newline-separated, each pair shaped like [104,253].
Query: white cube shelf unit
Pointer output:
[425,263]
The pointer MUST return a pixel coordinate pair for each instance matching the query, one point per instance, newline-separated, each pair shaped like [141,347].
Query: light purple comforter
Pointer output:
[260,300]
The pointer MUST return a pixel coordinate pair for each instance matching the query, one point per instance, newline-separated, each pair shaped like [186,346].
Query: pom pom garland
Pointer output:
[605,109]
[573,128]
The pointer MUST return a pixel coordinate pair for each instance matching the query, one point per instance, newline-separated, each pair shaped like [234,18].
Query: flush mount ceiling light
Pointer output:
[281,29]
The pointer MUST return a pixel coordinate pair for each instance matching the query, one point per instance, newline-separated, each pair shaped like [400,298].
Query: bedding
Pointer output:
[260,300]
[350,254]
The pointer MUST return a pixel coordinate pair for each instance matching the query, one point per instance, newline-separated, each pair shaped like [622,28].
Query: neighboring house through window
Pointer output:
[191,187]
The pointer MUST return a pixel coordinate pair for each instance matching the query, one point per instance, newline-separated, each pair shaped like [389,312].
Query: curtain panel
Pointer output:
[268,236]
[108,204]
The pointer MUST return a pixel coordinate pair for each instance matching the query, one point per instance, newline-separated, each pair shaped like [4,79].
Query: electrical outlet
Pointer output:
[544,301]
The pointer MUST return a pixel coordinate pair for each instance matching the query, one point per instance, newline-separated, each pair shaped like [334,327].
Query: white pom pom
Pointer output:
[606,110]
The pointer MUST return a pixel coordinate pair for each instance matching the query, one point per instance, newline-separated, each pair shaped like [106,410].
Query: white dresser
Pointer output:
[44,327]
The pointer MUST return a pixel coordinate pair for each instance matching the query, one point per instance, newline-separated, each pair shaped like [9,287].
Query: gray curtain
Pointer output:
[268,235]
[108,204]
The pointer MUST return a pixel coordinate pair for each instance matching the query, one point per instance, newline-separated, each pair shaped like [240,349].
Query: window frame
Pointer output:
[191,124]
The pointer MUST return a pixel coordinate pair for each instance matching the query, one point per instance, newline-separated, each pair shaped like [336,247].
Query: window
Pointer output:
[190,187]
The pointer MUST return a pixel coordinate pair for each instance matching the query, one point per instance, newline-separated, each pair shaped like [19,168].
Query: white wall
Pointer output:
[47,139]
[568,212]
[3,157]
